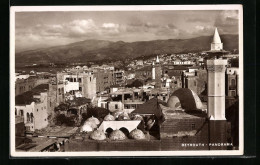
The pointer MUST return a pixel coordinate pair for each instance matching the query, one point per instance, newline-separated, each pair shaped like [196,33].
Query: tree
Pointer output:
[137,83]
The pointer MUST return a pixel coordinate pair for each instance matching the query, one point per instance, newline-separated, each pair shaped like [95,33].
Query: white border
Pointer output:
[14,9]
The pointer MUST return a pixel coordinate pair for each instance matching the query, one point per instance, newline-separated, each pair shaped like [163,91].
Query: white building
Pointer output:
[33,110]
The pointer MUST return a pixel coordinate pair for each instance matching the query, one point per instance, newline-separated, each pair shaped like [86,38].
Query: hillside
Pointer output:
[97,50]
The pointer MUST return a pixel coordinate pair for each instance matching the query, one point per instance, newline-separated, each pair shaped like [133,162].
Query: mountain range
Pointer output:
[99,50]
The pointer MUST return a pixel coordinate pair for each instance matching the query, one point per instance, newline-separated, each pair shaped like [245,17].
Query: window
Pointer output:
[79,80]
[80,88]
[90,79]
[21,112]
[31,115]
[193,126]
[28,117]
[164,98]
[116,106]
[74,80]
[195,83]
[15,111]
[233,82]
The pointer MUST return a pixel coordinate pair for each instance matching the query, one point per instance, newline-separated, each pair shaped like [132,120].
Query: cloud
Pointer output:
[204,20]
[227,21]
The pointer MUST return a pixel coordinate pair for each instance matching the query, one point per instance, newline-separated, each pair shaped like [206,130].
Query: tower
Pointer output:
[216,88]
[153,72]
[158,73]
[216,44]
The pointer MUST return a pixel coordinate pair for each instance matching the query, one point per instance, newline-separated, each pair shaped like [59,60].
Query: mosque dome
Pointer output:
[97,135]
[109,118]
[117,135]
[123,116]
[137,134]
[91,123]
[94,120]
[184,98]
[86,128]
[116,113]
[138,117]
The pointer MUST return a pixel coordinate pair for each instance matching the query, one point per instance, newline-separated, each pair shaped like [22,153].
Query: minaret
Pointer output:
[216,44]
[153,72]
[158,73]
[216,88]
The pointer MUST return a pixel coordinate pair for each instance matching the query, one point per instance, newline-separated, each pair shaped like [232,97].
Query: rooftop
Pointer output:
[28,97]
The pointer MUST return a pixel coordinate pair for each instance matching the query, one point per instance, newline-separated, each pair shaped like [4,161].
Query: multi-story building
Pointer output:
[119,76]
[85,83]
[104,79]
[24,85]
[124,99]
[232,82]
[32,105]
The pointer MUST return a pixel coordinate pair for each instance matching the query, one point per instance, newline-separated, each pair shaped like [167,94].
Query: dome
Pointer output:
[137,134]
[174,102]
[117,135]
[97,135]
[91,123]
[138,117]
[116,113]
[123,116]
[93,119]
[109,118]
[86,128]
[184,98]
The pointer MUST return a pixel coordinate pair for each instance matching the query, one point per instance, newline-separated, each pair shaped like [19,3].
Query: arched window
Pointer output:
[27,117]
[233,82]
[31,117]
[21,112]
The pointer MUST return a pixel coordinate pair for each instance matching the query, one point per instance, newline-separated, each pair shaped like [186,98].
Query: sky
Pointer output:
[44,29]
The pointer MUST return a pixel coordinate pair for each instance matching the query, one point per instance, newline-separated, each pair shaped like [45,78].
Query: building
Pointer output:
[123,99]
[82,82]
[119,76]
[232,81]
[19,130]
[158,73]
[144,72]
[32,105]
[104,79]
[24,84]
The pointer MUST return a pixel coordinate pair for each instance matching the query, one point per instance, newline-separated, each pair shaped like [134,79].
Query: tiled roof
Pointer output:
[150,107]
[27,97]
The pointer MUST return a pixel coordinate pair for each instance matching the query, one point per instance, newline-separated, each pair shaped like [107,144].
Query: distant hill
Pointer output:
[97,50]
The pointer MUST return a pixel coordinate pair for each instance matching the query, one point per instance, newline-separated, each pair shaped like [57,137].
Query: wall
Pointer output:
[24,85]
[26,109]
[111,106]
[40,112]
[191,83]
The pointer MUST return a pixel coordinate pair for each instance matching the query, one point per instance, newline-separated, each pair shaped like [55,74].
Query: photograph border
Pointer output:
[15,9]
